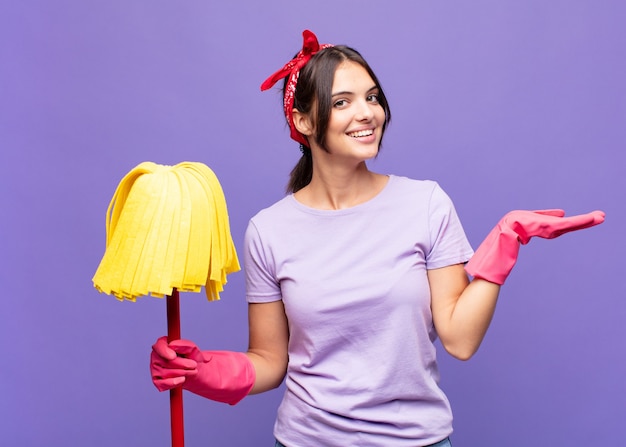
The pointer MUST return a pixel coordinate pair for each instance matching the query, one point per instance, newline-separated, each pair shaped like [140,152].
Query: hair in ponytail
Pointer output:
[301,174]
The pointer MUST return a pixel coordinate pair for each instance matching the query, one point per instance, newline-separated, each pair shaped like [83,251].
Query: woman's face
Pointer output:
[356,121]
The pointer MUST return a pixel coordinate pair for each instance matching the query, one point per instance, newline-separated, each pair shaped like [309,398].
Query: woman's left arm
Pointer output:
[462,310]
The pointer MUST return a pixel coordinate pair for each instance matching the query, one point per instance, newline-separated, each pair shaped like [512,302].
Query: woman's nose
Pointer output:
[364,112]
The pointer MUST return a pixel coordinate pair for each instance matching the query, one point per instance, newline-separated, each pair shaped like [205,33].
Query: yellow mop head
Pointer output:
[166,227]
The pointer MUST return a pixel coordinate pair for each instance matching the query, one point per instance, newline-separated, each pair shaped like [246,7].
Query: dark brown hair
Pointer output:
[313,97]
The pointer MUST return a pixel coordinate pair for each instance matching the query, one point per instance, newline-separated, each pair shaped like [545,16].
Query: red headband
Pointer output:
[292,69]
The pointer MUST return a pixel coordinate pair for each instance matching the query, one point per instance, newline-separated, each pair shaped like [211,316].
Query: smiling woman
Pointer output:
[353,276]
[356,113]
[319,94]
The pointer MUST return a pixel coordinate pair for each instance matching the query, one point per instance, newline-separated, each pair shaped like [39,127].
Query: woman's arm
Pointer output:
[269,336]
[462,310]
[227,376]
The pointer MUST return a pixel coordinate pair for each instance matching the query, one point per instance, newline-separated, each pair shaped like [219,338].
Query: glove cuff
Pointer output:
[227,377]
[495,257]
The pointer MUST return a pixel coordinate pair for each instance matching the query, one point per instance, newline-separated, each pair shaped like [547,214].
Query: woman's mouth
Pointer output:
[361,133]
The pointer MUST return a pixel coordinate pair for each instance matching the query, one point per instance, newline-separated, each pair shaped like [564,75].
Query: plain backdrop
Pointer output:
[508,105]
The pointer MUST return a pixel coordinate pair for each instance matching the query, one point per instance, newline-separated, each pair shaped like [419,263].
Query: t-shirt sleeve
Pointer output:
[261,283]
[448,243]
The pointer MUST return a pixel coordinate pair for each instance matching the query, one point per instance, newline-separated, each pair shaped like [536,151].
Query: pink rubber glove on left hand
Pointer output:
[495,257]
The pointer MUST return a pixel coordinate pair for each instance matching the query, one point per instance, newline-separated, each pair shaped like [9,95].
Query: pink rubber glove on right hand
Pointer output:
[495,257]
[222,376]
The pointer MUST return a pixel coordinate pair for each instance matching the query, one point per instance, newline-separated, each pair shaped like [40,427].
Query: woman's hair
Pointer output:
[313,97]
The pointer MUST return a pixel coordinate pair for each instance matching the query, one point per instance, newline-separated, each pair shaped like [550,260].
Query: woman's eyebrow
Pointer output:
[375,87]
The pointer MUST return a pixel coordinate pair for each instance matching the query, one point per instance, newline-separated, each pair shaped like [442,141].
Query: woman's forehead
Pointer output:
[351,77]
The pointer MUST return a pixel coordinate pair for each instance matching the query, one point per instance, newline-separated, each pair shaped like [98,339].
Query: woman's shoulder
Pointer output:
[278,208]
[412,184]
[282,216]
[419,191]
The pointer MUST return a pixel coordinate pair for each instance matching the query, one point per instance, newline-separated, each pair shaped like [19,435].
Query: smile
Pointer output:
[361,133]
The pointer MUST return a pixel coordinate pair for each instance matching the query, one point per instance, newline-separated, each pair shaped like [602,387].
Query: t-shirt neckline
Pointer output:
[353,209]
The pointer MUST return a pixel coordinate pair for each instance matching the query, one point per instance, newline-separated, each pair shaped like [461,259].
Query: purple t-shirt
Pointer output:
[362,364]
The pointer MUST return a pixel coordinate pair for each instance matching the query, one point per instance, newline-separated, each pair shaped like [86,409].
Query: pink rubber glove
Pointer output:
[496,256]
[222,376]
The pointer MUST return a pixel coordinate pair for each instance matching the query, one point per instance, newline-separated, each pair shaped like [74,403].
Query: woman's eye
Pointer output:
[373,98]
[340,103]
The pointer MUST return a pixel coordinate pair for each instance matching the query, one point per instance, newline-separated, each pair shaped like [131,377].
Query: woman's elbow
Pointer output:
[461,351]
[270,373]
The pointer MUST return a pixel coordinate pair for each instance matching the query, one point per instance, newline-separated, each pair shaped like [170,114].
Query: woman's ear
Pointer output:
[302,122]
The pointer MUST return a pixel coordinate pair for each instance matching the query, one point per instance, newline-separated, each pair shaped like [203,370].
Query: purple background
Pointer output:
[507,104]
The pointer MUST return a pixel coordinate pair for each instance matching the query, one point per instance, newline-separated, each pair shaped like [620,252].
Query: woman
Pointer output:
[352,276]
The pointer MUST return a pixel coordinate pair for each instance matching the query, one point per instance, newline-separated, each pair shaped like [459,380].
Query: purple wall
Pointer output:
[507,104]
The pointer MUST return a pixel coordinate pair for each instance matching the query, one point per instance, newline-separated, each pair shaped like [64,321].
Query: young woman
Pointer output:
[352,276]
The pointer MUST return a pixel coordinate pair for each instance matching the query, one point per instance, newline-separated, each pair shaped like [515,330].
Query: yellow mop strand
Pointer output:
[166,227]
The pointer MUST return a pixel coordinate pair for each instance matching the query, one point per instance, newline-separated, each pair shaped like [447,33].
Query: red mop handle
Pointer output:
[176,394]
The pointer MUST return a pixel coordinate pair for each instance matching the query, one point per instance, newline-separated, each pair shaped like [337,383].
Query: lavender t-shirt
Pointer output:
[362,365]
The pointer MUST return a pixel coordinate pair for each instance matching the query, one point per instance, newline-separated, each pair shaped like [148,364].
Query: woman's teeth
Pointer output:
[361,133]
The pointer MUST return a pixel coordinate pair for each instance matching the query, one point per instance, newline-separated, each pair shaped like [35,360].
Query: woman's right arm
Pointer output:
[227,376]
[269,337]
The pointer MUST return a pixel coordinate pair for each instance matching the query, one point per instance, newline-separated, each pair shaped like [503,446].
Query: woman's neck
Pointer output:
[340,188]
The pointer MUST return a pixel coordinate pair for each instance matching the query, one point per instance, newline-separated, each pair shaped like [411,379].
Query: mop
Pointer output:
[167,231]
